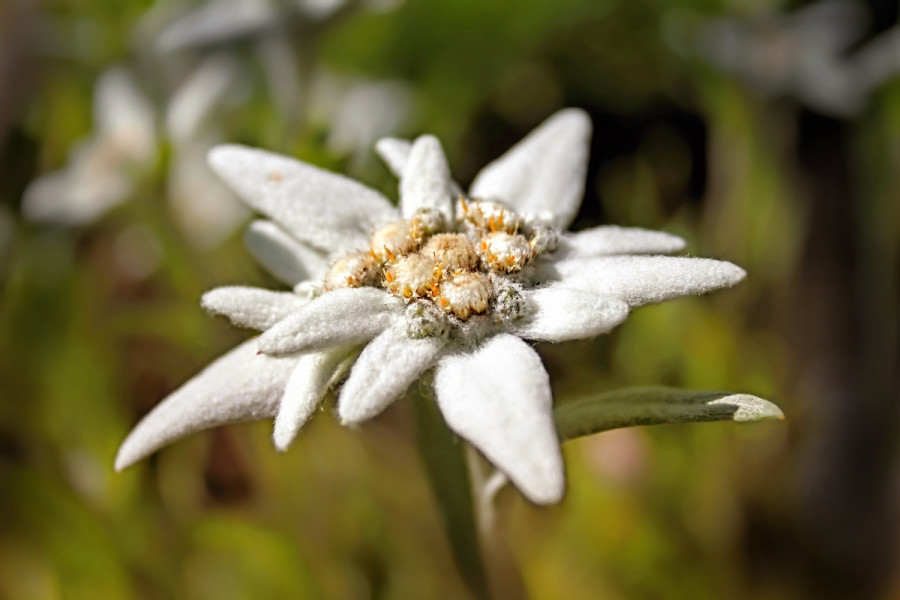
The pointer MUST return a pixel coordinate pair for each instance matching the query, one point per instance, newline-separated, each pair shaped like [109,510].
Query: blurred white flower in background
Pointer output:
[278,34]
[102,169]
[442,282]
[205,209]
[808,54]
[358,112]
[355,112]
[200,62]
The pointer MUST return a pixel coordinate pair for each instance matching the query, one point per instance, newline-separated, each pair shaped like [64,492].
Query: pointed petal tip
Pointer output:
[353,414]
[573,117]
[551,492]
[283,437]
[387,142]
[126,456]
[675,243]
[751,408]
[427,139]
[350,423]
[219,157]
[732,274]
[209,300]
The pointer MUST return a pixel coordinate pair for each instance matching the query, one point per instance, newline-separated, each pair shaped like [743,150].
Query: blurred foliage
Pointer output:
[88,343]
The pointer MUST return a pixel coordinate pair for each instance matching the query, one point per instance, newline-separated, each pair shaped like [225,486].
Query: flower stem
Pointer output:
[445,465]
[504,577]
[464,487]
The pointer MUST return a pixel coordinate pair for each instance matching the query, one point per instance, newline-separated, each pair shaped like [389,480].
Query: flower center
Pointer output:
[457,270]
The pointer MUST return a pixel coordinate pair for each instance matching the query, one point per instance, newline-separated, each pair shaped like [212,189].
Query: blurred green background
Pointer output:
[100,320]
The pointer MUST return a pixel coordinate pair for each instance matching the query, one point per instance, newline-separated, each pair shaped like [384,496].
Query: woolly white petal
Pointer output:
[288,259]
[643,279]
[304,391]
[252,307]
[609,239]
[560,314]
[394,152]
[339,317]
[426,181]
[383,371]
[316,206]
[545,172]
[239,386]
[498,398]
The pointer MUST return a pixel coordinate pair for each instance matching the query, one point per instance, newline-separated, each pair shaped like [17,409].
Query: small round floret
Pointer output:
[424,319]
[504,252]
[507,301]
[451,251]
[395,239]
[487,216]
[356,269]
[429,221]
[465,293]
[410,277]
[543,239]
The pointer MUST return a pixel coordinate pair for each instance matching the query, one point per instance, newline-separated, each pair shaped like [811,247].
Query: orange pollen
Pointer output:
[390,254]
[388,276]
[445,302]
[483,245]
[492,225]
[407,292]
[435,290]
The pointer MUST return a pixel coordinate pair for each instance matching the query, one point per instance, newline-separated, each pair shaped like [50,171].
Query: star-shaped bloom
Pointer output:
[449,284]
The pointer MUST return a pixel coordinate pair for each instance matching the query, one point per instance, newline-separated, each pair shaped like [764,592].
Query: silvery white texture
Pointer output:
[452,285]
[808,54]
[101,170]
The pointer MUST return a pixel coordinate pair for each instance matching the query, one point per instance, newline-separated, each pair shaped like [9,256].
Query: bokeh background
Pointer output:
[766,133]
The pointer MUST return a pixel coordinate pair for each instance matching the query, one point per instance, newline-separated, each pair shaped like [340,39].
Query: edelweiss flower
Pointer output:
[442,283]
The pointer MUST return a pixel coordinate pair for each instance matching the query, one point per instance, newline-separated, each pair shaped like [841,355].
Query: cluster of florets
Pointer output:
[445,269]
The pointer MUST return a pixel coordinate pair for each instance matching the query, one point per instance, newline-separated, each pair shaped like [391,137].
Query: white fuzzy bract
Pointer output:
[461,283]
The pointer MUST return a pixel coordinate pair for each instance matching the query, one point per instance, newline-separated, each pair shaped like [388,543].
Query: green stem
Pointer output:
[445,464]
[503,573]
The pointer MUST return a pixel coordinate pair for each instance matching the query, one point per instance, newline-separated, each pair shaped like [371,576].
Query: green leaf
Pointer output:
[657,406]
[445,463]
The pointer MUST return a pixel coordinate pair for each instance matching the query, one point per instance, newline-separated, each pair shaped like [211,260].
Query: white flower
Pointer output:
[102,169]
[416,299]
[813,54]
